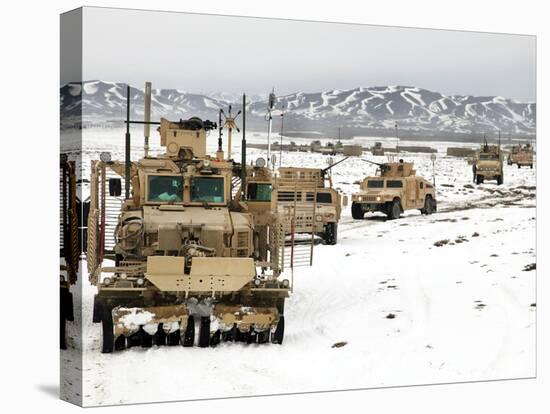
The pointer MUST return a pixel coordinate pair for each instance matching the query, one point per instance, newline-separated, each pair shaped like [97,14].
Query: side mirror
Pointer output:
[345,201]
[115,187]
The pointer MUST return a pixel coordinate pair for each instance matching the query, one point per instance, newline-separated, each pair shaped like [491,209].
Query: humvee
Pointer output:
[394,189]
[521,156]
[488,164]
[187,255]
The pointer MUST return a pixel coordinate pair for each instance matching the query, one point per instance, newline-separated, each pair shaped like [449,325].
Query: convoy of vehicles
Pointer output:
[203,244]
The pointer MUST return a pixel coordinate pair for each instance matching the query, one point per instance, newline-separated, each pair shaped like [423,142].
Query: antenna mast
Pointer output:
[397,137]
[281,135]
[147,118]
[269,119]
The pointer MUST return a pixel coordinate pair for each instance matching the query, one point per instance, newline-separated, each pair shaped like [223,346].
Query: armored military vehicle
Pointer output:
[306,190]
[377,149]
[521,156]
[187,256]
[488,164]
[394,189]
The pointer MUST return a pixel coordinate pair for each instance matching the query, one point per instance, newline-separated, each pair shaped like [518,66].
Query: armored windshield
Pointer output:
[488,156]
[375,184]
[209,189]
[165,188]
[394,184]
[259,192]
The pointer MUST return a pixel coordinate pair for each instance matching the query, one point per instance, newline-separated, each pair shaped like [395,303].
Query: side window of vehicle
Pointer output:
[421,185]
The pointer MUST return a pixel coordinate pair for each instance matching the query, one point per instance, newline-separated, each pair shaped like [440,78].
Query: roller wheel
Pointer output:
[146,339]
[252,336]
[230,335]
[278,335]
[204,334]
[134,339]
[263,337]
[357,211]
[189,335]
[159,338]
[216,338]
[173,338]
[120,343]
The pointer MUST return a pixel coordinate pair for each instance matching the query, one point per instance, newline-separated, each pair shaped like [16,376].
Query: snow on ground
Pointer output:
[422,299]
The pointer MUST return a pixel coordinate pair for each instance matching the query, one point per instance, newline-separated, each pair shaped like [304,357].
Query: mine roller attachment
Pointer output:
[126,327]
[247,324]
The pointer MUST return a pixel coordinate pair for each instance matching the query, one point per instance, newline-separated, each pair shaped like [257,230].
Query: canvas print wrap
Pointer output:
[255,206]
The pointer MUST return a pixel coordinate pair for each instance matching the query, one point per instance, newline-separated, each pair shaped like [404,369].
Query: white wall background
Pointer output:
[29,100]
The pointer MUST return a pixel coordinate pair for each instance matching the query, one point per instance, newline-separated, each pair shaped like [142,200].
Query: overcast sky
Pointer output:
[204,53]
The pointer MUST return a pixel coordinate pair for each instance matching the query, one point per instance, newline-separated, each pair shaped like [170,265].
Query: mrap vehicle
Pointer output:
[185,255]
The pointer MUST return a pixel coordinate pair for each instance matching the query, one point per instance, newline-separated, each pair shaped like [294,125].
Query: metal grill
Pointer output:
[297,205]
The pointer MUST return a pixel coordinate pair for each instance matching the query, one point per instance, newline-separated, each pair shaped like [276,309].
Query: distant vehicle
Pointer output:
[395,189]
[377,149]
[488,164]
[521,156]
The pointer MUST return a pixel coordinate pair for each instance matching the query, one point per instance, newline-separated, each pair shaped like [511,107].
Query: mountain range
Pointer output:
[377,108]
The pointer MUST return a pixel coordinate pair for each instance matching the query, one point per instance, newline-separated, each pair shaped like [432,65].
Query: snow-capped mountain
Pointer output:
[378,107]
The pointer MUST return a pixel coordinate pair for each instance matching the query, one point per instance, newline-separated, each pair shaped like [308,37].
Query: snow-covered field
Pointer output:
[409,311]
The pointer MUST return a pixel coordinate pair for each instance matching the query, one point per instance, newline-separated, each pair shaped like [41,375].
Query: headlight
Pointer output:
[260,162]
[206,163]
[123,275]
[140,281]
[257,282]
[107,281]
[378,198]
[359,198]
[286,283]
[318,217]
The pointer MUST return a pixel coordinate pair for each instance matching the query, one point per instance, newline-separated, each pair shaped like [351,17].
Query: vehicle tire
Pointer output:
[357,211]
[107,334]
[428,205]
[519,166]
[479,179]
[331,233]
[500,180]
[394,211]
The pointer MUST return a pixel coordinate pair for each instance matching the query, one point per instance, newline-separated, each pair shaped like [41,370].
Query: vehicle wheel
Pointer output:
[428,205]
[519,166]
[394,212]
[357,211]
[331,233]
[499,180]
[107,334]
[479,179]
[278,335]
